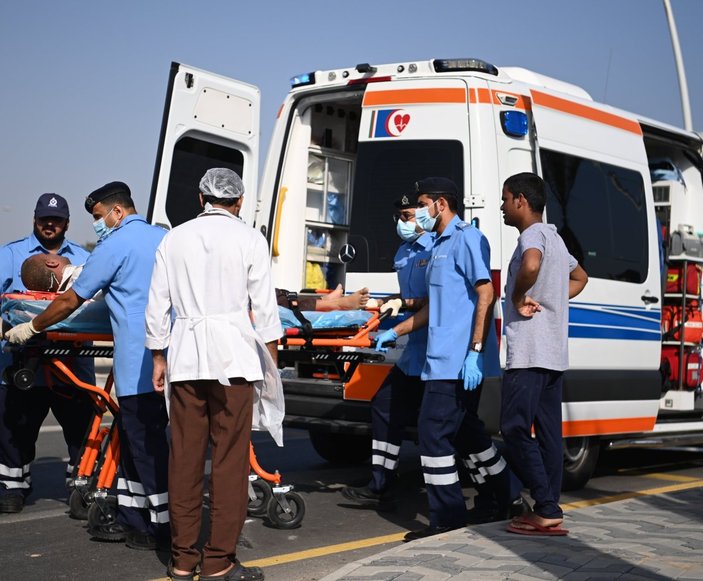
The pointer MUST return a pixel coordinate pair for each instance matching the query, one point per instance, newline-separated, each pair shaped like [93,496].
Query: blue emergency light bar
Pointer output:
[514,123]
[452,65]
[302,80]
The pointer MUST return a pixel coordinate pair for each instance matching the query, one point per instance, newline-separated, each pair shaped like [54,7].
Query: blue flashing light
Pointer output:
[302,80]
[514,123]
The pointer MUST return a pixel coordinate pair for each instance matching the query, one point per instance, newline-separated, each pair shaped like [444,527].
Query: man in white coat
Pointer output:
[208,273]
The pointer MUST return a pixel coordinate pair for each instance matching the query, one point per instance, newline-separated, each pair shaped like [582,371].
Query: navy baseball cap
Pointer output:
[51,205]
[434,185]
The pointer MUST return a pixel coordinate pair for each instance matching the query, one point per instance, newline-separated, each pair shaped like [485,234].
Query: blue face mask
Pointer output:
[406,231]
[101,228]
[424,220]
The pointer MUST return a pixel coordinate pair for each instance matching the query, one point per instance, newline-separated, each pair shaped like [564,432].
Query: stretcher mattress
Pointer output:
[324,320]
[91,317]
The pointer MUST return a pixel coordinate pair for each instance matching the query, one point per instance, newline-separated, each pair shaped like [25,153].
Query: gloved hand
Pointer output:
[385,337]
[472,370]
[372,304]
[21,333]
[393,305]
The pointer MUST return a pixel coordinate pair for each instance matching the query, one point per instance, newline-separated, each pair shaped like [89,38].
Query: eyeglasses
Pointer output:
[399,216]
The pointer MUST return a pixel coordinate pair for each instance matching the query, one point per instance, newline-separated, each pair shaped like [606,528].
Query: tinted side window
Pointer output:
[191,159]
[385,170]
[600,212]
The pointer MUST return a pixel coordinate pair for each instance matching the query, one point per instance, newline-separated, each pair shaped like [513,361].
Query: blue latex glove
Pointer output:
[472,370]
[385,337]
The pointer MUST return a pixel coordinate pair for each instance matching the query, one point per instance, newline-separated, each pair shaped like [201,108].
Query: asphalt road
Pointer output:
[42,542]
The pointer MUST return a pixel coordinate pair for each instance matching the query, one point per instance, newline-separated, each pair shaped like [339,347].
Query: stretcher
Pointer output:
[338,349]
[94,475]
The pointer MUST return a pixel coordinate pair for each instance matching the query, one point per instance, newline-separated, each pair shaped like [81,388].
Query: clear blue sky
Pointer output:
[83,83]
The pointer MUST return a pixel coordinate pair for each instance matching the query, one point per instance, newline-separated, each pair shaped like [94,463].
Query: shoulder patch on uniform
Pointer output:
[463,225]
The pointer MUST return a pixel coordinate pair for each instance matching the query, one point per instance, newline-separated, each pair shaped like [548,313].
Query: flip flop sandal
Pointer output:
[535,529]
[177,576]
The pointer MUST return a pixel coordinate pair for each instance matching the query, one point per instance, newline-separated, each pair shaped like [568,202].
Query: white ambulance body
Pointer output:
[348,142]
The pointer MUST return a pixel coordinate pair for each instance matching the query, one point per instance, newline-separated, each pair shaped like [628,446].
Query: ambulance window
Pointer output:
[600,212]
[191,159]
[385,170]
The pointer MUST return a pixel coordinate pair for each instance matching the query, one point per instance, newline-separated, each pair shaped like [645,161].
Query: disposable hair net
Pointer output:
[221,182]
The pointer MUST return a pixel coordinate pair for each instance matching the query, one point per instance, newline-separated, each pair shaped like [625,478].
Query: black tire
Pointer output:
[259,507]
[102,512]
[580,459]
[77,506]
[341,448]
[286,520]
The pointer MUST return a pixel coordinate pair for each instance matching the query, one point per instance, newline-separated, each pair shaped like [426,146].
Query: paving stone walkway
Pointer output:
[652,538]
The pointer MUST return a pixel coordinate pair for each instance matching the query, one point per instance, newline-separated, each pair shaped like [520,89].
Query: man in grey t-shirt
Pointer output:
[542,277]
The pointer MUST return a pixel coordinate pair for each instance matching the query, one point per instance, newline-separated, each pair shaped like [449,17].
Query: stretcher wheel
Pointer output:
[102,512]
[78,507]
[263,493]
[286,520]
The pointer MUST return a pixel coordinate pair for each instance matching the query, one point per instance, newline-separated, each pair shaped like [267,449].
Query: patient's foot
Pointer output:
[335,294]
[355,300]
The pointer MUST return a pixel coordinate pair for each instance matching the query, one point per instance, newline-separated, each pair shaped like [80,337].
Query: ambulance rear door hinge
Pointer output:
[475,201]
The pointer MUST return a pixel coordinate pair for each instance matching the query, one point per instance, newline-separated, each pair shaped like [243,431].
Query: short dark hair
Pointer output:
[452,202]
[121,198]
[529,185]
[215,201]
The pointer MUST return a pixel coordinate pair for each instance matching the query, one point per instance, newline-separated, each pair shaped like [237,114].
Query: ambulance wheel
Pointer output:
[341,448]
[287,520]
[580,459]
[259,507]
[102,512]
[77,506]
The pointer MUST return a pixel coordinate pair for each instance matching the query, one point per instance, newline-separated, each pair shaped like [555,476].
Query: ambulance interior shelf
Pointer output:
[328,195]
[682,323]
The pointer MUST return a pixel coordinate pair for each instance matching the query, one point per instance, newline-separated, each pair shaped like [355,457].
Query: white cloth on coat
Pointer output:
[208,272]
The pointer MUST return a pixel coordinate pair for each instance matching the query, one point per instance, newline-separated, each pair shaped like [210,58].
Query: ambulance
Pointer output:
[624,191]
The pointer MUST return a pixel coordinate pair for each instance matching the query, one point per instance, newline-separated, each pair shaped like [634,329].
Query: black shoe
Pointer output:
[479,516]
[427,532]
[517,508]
[237,573]
[141,541]
[365,496]
[12,502]
[112,533]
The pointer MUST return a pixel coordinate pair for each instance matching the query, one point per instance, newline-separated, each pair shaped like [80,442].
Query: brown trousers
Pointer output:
[205,411]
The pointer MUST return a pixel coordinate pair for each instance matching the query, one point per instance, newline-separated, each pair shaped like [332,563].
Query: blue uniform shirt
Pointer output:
[410,263]
[121,266]
[12,256]
[460,258]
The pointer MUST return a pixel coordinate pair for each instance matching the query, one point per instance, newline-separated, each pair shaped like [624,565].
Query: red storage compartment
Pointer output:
[692,326]
[674,279]
[691,366]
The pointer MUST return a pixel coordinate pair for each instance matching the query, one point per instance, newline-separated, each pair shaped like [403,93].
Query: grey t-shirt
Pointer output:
[542,340]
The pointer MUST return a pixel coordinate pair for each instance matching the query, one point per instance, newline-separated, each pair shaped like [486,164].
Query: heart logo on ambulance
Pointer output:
[397,121]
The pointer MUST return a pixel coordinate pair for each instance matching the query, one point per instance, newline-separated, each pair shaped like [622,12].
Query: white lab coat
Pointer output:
[208,271]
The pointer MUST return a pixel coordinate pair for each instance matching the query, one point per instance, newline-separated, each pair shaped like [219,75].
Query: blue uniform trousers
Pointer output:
[142,485]
[532,397]
[449,426]
[21,416]
[394,407]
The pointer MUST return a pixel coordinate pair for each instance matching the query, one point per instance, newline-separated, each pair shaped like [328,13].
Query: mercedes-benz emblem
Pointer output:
[347,253]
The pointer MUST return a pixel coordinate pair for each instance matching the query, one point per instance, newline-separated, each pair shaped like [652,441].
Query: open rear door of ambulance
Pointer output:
[209,121]
[594,163]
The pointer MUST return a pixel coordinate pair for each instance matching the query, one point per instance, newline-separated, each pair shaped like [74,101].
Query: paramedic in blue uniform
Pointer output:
[22,412]
[459,319]
[397,401]
[121,267]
